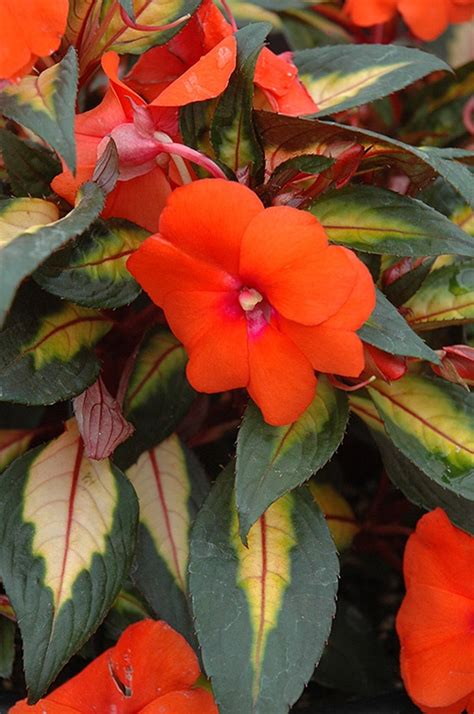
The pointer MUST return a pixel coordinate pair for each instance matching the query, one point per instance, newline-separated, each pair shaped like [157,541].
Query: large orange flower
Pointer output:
[425,18]
[255,294]
[29,29]
[436,620]
[151,670]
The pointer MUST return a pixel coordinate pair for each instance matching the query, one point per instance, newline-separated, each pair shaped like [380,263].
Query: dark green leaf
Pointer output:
[273,460]
[7,647]
[30,167]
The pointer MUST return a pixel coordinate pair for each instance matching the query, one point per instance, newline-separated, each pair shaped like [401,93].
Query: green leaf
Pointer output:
[158,394]
[171,487]
[92,271]
[342,77]
[7,647]
[67,534]
[284,137]
[233,133]
[45,104]
[387,330]
[446,297]
[25,240]
[432,422]
[273,460]
[47,348]
[423,490]
[372,219]
[30,167]
[247,601]
[406,285]
[128,7]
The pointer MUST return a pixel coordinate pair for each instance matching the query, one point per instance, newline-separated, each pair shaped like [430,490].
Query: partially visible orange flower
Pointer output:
[257,296]
[162,74]
[29,29]
[151,670]
[435,623]
[427,19]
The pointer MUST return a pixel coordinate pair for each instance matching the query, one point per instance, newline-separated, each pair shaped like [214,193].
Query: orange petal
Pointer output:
[219,359]
[110,64]
[278,78]
[193,314]
[44,706]
[371,12]
[161,268]
[29,30]
[440,555]
[282,381]
[208,218]
[361,301]
[425,18]
[149,657]
[196,701]
[140,200]
[204,80]
[276,238]
[330,351]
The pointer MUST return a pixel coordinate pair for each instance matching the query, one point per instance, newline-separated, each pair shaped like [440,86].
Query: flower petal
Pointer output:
[29,30]
[161,268]
[282,381]
[196,701]
[425,18]
[213,328]
[140,200]
[371,12]
[127,97]
[208,218]
[361,301]
[331,351]
[204,80]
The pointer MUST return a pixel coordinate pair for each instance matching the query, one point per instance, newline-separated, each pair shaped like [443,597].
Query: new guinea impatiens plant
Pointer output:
[236,352]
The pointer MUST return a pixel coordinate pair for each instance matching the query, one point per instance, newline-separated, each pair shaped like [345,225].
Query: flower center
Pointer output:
[249,298]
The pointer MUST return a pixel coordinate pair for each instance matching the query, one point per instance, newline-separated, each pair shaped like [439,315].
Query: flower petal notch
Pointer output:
[256,295]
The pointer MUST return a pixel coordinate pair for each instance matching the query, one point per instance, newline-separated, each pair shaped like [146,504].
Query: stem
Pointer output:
[173,148]
[229,14]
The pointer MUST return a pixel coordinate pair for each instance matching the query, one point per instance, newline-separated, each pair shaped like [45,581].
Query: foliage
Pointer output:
[138,476]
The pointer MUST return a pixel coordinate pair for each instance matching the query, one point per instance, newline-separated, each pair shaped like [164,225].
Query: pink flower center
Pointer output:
[257,310]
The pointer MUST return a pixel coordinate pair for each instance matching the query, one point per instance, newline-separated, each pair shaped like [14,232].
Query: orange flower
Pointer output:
[163,74]
[435,623]
[425,18]
[255,294]
[29,29]
[151,670]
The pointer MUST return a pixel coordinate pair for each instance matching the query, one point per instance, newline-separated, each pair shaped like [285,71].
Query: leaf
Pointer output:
[67,533]
[432,422]
[93,270]
[232,131]
[45,104]
[273,460]
[30,167]
[387,330]
[128,7]
[13,443]
[446,297]
[338,513]
[171,487]
[407,284]
[285,137]
[354,660]
[25,240]
[372,219]
[247,601]
[100,421]
[342,77]
[423,490]
[7,647]
[47,348]
[158,394]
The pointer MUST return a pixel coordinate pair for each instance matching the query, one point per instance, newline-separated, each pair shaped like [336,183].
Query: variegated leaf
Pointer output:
[263,612]
[67,533]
